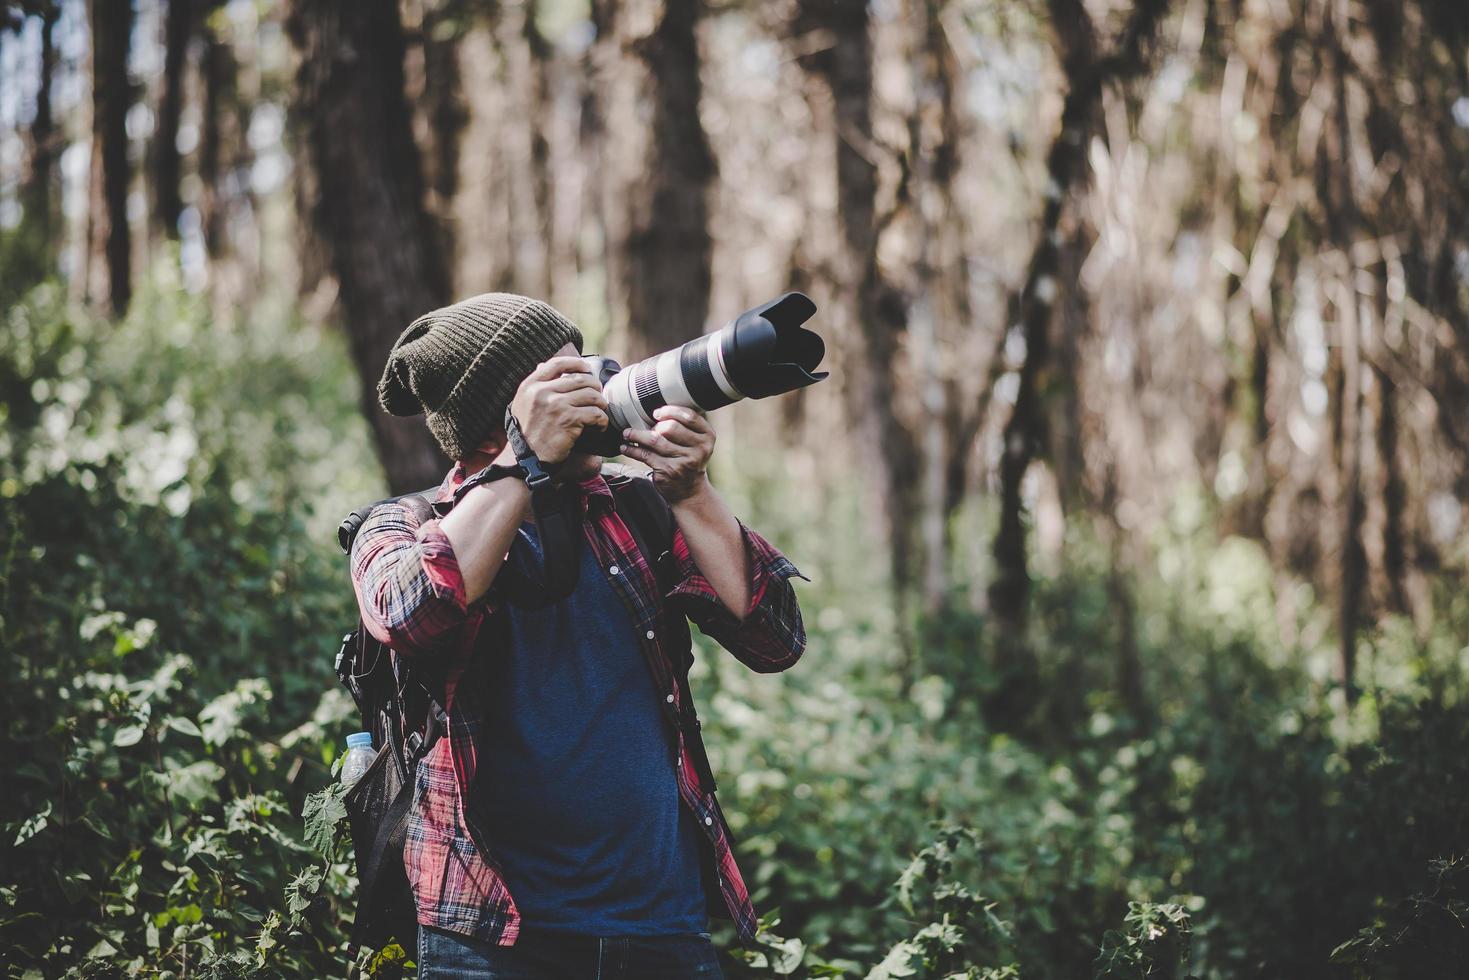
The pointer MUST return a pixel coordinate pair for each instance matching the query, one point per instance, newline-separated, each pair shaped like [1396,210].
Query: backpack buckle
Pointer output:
[343,663]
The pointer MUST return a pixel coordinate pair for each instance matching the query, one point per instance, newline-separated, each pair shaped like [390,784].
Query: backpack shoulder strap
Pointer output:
[647,516]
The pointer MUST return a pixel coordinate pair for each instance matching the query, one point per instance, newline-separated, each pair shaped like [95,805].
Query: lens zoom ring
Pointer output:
[646,389]
[693,362]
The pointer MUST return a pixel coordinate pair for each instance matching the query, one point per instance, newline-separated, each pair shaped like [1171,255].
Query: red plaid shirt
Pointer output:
[411,594]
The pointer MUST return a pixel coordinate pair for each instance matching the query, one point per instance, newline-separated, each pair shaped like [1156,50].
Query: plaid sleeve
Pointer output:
[408,584]
[770,637]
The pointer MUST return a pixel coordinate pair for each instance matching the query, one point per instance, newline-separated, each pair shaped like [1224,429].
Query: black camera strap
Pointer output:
[558,513]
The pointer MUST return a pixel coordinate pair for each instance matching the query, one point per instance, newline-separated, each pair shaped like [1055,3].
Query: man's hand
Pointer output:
[677,449]
[554,403]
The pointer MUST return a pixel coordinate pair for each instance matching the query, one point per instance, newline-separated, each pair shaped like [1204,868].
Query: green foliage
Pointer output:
[1425,934]
[167,615]
[1153,944]
[170,598]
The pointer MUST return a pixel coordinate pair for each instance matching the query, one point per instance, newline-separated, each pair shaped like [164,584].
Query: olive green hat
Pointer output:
[461,365]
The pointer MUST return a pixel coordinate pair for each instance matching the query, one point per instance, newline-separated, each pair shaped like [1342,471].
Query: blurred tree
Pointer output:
[219,124]
[524,83]
[1088,71]
[434,90]
[109,261]
[870,307]
[38,192]
[941,314]
[658,170]
[165,158]
[369,205]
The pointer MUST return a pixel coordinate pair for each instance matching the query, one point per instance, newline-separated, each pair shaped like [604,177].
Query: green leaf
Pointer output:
[128,735]
[33,826]
[322,813]
[196,782]
[183,725]
[898,964]
[787,955]
[224,716]
[102,950]
[302,890]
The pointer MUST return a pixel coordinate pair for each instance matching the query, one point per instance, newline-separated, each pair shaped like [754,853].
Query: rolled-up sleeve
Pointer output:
[770,636]
[409,586]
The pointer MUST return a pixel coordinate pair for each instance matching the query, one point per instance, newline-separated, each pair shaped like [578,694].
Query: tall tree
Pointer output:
[661,172]
[524,149]
[38,189]
[870,307]
[433,36]
[219,124]
[164,153]
[1088,70]
[369,206]
[110,257]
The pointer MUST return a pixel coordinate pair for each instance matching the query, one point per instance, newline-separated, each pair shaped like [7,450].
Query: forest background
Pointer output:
[1134,506]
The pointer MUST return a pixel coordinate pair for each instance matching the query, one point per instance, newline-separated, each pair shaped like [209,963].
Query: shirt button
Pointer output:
[708,821]
[613,570]
[649,634]
[669,699]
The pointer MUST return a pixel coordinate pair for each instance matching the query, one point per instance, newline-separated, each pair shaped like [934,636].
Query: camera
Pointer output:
[762,352]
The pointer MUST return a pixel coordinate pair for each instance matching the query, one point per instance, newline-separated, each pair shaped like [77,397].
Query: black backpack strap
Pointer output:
[650,521]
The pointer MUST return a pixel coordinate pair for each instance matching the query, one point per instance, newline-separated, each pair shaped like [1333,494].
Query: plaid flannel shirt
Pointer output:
[412,598]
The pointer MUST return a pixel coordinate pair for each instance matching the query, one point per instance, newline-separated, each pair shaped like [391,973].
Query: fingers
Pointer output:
[638,453]
[680,434]
[653,440]
[590,417]
[690,417]
[571,382]
[586,396]
[555,367]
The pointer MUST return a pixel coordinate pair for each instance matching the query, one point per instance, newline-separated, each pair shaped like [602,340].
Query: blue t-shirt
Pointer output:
[584,812]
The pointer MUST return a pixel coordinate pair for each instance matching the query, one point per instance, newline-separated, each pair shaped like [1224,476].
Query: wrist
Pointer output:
[700,498]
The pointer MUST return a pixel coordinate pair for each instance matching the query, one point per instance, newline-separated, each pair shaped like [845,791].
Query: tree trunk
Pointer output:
[219,75]
[38,189]
[384,250]
[523,53]
[657,193]
[869,306]
[1024,433]
[110,245]
[941,305]
[178,29]
[439,112]
[1087,73]
[1336,177]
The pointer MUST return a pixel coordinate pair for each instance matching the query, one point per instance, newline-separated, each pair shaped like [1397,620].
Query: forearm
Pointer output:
[481,529]
[716,545]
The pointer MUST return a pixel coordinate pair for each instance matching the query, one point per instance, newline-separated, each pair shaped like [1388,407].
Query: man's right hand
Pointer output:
[559,399]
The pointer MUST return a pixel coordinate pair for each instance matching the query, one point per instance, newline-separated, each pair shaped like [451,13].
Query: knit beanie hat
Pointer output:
[462,364]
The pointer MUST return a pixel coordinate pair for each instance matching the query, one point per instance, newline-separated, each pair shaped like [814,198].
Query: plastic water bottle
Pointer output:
[359,756]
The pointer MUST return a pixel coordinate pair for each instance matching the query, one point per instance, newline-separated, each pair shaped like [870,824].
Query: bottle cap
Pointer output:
[359,740]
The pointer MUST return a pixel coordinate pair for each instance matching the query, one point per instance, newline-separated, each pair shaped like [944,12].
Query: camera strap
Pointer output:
[558,513]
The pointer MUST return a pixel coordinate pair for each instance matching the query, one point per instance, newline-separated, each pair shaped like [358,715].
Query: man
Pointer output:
[562,828]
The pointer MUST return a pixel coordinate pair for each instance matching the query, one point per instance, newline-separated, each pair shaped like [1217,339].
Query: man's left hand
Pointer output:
[676,449]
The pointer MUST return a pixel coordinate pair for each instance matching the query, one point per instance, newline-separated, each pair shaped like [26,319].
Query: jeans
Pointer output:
[444,955]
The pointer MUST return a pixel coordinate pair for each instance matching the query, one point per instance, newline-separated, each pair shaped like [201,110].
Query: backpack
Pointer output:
[401,705]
